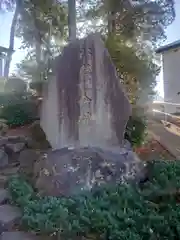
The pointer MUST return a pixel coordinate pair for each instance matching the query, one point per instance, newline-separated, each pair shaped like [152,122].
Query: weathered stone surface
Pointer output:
[85,103]
[10,171]
[12,145]
[37,137]
[13,165]
[4,160]
[4,195]
[27,158]
[9,216]
[3,128]
[29,142]
[16,139]
[3,181]
[66,172]
[3,141]
[127,145]
[15,147]
[21,236]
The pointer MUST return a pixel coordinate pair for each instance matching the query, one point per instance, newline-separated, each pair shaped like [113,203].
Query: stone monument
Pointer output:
[85,105]
[84,115]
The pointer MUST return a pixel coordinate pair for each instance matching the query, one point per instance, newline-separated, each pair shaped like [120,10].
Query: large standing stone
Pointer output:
[67,172]
[85,104]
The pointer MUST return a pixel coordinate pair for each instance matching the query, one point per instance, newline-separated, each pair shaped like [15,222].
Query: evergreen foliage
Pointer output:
[127,212]
[18,109]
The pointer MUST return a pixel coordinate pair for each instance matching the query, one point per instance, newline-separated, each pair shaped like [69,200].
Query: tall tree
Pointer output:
[39,26]
[131,31]
[132,18]
[11,39]
[37,22]
[72,19]
[10,5]
[136,68]
[7,5]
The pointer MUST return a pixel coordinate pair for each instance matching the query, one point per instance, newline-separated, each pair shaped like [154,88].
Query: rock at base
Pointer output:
[4,195]
[10,171]
[15,147]
[3,181]
[9,216]
[27,158]
[3,141]
[38,137]
[67,172]
[3,128]
[4,160]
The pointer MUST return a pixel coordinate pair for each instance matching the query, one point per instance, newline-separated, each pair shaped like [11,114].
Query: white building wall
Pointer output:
[1,67]
[2,63]
[164,107]
[171,77]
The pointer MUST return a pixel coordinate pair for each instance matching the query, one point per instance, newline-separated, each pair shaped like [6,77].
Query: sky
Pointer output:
[172,34]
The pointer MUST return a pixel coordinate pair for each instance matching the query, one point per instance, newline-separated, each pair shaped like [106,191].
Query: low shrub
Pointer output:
[17,110]
[136,130]
[15,85]
[126,212]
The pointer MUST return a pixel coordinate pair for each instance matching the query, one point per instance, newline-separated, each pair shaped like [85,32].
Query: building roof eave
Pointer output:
[168,47]
[5,50]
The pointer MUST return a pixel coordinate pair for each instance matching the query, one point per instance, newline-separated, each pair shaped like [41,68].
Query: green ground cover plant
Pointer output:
[150,210]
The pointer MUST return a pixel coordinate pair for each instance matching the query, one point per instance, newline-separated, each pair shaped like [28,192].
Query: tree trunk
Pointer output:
[111,23]
[72,19]
[11,42]
[38,45]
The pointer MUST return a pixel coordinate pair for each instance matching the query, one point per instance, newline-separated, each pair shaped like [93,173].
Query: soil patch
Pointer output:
[19,131]
[153,150]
